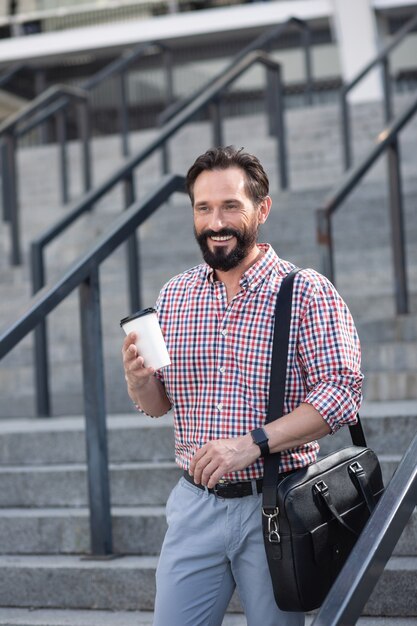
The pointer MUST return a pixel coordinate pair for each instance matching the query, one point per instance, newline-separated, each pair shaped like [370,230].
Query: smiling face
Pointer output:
[226,221]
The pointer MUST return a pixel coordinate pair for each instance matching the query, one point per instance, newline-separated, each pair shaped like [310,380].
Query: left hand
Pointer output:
[217,458]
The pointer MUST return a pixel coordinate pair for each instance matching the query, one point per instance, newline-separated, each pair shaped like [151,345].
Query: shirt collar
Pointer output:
[256,273]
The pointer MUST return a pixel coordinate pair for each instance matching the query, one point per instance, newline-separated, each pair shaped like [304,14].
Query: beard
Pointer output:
[219,258]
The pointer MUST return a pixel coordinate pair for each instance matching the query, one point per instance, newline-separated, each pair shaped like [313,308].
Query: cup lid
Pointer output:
[137,314]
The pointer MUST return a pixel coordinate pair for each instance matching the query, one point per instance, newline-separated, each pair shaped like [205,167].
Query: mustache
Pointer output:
[225,232]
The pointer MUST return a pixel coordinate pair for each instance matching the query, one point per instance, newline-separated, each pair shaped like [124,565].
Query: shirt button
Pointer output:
[220,406]
[224,332]
[222,370]
[219,297]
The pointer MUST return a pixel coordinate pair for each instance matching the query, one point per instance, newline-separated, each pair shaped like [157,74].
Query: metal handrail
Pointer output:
[49,95]
[9,134]
[366,562]
[381,57]
[48,105]
[125,174]
[262,42]
[84,274]
[11,73]
[118,67]
[387,141]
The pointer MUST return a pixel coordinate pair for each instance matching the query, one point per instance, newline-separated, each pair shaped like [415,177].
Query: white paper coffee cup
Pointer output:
[150,342]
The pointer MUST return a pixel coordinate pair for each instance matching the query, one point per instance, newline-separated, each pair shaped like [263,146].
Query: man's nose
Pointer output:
[217,220]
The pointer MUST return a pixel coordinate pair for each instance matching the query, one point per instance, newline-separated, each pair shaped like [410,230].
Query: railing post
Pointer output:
[346,134]
[397,227]
[84,129]
[387,90]
[217,122]
[271,101]
[281,135]
[325,243]
[132,251]
[95,416]
[165,160]
[124,121]
[4,179]
[306,41]
[40,86]
[11,201]
[61,132]
[41,364]
[169,76]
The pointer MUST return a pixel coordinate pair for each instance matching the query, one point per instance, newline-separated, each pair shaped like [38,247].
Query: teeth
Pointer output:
[225,238]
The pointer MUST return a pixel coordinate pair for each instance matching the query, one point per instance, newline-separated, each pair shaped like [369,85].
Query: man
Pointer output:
[217,319]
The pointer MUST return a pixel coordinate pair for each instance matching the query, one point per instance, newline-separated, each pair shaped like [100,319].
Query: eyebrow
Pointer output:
[228,201]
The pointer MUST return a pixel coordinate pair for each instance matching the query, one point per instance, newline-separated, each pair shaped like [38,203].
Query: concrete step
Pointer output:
[131,484]
[60,617]
[136,531]
[57,617]
[128,584]
[391,386]
[402,328]
[134,437]
[379,421]
[386,356]
[131,438]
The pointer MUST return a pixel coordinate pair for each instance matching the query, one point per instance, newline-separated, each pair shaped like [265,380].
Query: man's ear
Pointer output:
[264,208]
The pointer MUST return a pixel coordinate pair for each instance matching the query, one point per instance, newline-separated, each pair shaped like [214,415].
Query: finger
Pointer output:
[129,340]
[211,474]
[198,455]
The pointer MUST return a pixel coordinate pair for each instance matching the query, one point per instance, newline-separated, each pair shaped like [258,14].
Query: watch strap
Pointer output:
[260,437]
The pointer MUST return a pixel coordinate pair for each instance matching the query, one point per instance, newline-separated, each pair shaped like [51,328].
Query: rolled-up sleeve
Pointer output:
[330,354]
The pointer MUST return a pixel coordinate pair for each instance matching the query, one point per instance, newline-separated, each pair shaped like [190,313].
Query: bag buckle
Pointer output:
[273,526]
[320,488]
[355,468]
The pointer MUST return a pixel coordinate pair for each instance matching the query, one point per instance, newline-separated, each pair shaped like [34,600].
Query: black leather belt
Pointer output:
[225,489]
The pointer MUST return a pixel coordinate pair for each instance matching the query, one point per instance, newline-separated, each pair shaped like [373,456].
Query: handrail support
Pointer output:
[124,120]
[84,130]
[132,250]
[61,132]
[40,347]
[11,196]
[95,416]
[325,243]
[397,227]
[217,121]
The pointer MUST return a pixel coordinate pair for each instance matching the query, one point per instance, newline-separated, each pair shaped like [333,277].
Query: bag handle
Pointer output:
[277,386]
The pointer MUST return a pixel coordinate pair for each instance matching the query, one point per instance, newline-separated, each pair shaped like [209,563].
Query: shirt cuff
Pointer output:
[337,406]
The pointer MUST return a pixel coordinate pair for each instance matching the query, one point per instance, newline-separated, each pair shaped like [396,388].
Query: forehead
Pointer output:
[213,185]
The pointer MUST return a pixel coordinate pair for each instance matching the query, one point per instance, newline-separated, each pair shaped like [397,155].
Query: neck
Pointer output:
[231,279]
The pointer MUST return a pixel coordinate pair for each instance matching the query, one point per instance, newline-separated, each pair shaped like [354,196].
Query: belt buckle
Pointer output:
[220,484]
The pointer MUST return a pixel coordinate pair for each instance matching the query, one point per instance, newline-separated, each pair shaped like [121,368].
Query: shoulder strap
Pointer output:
[280,348]
[277,385]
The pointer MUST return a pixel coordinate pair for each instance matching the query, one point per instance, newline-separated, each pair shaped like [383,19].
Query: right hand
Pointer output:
[136,374]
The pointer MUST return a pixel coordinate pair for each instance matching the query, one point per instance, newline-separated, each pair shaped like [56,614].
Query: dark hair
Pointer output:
[257,183]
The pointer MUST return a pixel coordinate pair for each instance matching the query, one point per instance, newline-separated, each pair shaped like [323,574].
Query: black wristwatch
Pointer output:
[260,437]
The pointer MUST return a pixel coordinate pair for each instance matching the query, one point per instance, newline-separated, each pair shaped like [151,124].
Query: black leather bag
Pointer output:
[312,517]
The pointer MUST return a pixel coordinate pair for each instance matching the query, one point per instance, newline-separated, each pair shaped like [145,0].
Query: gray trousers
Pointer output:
[213,545]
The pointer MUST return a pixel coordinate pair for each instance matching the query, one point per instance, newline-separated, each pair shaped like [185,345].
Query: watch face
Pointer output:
[259,436]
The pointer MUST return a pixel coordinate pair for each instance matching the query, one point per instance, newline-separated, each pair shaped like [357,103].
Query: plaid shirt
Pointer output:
[218,382]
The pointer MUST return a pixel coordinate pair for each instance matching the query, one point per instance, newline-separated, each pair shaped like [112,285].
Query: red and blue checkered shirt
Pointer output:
[218,381]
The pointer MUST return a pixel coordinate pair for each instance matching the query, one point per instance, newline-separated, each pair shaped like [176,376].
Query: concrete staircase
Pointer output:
[44,519]
[44,578]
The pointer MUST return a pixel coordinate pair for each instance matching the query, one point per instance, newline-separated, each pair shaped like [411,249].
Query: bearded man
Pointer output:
[217,320]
